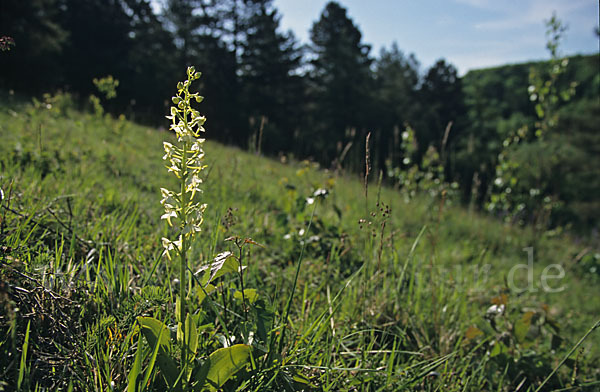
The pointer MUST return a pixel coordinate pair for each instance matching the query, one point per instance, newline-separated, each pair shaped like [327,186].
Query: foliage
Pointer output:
[526,187]
[108,87]
[317,101]
[340,81]
[396,104]
[388,306]
[441,94]
[270,88]
[427,178]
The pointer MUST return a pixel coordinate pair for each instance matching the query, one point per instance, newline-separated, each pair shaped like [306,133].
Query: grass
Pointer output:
[388,295]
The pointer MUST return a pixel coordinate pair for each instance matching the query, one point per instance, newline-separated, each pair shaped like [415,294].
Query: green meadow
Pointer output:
[343,285]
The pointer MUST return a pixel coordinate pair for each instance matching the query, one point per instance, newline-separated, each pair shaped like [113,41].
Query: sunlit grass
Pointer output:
[389,296]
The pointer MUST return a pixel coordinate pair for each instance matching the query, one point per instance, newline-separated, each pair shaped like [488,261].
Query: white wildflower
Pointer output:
[185,160]
[320,192]
[495,309]
[313,238]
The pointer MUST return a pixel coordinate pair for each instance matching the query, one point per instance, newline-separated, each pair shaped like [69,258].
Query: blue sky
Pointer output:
[468,33]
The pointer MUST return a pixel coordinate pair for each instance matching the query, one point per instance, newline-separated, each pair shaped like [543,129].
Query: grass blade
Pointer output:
[23,365]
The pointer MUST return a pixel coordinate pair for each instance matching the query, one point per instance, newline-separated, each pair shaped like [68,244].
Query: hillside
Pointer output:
[498,104]
[390,295]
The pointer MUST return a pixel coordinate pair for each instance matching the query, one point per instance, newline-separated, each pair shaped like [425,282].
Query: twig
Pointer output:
[37,282]
[580,255]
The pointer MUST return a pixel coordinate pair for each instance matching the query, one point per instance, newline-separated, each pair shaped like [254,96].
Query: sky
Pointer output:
[470,34]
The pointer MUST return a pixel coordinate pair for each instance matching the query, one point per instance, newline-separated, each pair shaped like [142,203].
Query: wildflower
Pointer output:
[313,238]
[320,192]
[495,309]
[185,161]
[171,245]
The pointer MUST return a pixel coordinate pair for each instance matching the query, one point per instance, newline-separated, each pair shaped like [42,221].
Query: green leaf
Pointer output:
[499,348]
[224,263]
[199,376]
[224,363]
[204,291]
[251,295]
[539,110]
[205,327]
[191,342]
[136,369]
[23,365]
[151,363]
[522,327]
[157,335]
[191,334]
[301,379]
[264,320]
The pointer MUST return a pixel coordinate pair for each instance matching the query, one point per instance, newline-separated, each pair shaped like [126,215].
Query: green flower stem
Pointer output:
[183,253]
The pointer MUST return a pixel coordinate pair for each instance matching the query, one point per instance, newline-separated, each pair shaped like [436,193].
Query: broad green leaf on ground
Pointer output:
[224,363]
[153,330]
[250,294]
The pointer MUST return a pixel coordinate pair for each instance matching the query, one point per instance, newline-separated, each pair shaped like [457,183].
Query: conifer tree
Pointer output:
[341,79]
[272,94]
[396,90]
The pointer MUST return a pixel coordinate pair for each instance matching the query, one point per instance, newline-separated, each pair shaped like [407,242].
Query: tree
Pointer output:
[183,21]
[40,39]
[341,80]
[151,69]
[442,97]
[200,29]
[396,97]
[99,44]
[272,93]
[533,182]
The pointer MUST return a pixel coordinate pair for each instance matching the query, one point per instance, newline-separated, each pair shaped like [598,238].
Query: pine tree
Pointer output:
[99,42]
[441,93]
[39,38]
[151,71]
[201,31]
[396,95]
[341,80]
[272,93]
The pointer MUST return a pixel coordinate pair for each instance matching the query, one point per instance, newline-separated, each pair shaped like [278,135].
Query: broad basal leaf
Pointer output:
[250,294]
[152,329]
[224,363]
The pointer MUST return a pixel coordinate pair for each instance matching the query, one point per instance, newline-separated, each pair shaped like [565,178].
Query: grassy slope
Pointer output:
[91,184]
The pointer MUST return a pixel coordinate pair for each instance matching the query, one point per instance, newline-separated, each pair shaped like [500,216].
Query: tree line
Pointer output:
[266,91]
